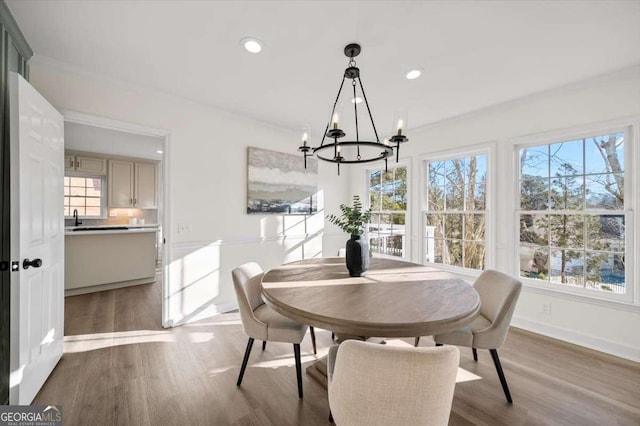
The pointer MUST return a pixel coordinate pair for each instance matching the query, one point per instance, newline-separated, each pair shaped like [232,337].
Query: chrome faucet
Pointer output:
[75,217]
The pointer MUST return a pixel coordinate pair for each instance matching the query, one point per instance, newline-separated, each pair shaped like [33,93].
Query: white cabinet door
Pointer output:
[120,183]
[146,179]
[69,163]
[91,165]
[37,240]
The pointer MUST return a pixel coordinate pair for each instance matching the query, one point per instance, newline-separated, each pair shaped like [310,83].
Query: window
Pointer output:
[84,194]
[572,213]
[455,211]
[388,204]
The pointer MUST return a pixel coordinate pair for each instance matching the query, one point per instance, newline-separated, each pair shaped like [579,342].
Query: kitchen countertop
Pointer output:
[131,229]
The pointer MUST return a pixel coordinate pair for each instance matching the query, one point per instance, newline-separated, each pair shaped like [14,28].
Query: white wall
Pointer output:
[208,172]
[602,325]
[82,137]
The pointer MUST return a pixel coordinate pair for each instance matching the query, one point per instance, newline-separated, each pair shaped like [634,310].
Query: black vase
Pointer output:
[357,256]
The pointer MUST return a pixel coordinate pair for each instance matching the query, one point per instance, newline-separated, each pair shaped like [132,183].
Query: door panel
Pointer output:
[120,183]
[37,298]
[146,186]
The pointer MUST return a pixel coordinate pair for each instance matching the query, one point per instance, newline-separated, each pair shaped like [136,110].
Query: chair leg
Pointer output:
[264,345]
[503,381]
[417,342]
[438,344]
[296,351]
[475,354]
[313,340]
[333,336]
[245,360]
[330,417]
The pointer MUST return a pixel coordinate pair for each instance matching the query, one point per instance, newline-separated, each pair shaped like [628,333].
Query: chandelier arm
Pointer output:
[355,110]
[324,135]
[368,109]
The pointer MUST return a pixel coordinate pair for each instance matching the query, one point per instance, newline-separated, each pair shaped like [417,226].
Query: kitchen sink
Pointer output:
[100,228]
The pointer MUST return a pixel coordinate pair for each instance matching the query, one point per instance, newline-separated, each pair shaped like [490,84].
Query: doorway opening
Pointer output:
[116,205]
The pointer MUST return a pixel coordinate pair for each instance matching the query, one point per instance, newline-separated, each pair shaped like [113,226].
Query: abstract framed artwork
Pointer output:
[278,183]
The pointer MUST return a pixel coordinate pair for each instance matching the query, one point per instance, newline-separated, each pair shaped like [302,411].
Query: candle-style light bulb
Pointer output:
[385,142]
[400,126]
[335,119]
[338,149]
[305,136]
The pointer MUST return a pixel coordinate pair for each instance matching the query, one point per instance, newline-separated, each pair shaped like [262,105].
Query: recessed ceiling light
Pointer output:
[414,73]
[251,44]
[159,152]
[356,100]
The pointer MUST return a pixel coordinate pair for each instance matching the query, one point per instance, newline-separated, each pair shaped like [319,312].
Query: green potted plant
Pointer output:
[352,221]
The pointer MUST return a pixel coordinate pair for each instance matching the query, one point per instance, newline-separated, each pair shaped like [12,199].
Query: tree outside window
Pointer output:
[572,219]
[388,204]
[455,211]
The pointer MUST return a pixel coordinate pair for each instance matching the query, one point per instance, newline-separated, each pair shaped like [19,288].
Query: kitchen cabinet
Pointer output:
[95,259]
[81,163]
[133,184]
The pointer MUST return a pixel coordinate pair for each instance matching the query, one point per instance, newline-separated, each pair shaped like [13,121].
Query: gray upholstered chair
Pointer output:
[261,322]
[372,384]
[498,296]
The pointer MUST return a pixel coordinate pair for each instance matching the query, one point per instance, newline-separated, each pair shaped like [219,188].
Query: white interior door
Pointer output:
[37,239]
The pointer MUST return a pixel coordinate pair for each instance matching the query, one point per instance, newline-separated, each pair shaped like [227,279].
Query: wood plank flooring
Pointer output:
[121,367]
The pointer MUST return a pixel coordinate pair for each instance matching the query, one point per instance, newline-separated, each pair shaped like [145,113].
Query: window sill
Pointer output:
[530,286]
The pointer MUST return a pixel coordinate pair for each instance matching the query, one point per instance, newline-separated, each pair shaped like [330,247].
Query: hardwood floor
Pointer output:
[120,367]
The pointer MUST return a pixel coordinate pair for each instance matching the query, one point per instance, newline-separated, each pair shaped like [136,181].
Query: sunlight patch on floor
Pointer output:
[90,342]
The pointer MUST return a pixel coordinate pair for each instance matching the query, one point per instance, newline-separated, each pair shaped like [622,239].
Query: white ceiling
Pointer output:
[475,54]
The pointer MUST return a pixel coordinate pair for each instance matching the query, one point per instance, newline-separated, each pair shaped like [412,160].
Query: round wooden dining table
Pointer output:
[393,299]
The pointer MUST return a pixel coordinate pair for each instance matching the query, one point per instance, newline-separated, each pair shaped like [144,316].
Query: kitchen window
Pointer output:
[388,203]
[573,213]
[85,194]
[455,211]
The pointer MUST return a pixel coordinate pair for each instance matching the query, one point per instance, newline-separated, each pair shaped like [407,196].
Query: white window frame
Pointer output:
[488,149]
[407,219]
[103,195]
[631,193]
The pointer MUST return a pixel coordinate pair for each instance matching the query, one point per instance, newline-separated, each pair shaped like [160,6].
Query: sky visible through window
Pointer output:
[572,221]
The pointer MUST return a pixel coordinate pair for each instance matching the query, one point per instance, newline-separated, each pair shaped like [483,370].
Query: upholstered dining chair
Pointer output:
[372,384]
[498,296]
[261,322]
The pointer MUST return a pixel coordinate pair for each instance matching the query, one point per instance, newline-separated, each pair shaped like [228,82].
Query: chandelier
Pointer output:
[353,151]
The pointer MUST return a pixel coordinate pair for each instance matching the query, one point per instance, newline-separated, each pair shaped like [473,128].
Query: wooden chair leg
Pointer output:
[330,417]
[264,345]
[313,340]
[417,342]
[475,354]
[503,380]
[245,360]
[296,351]
[333,336]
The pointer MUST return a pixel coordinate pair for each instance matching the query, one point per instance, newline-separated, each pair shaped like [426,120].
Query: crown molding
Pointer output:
[46,61]
[631,71]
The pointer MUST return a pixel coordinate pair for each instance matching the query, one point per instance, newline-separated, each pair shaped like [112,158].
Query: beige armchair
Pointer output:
[261,322]
[498,296]
[371,384]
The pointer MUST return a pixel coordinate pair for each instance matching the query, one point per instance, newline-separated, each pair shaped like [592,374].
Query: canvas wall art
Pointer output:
[279,183]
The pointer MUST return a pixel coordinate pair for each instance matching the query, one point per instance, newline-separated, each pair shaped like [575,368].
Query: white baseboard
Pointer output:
[580,339]
[111,286]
